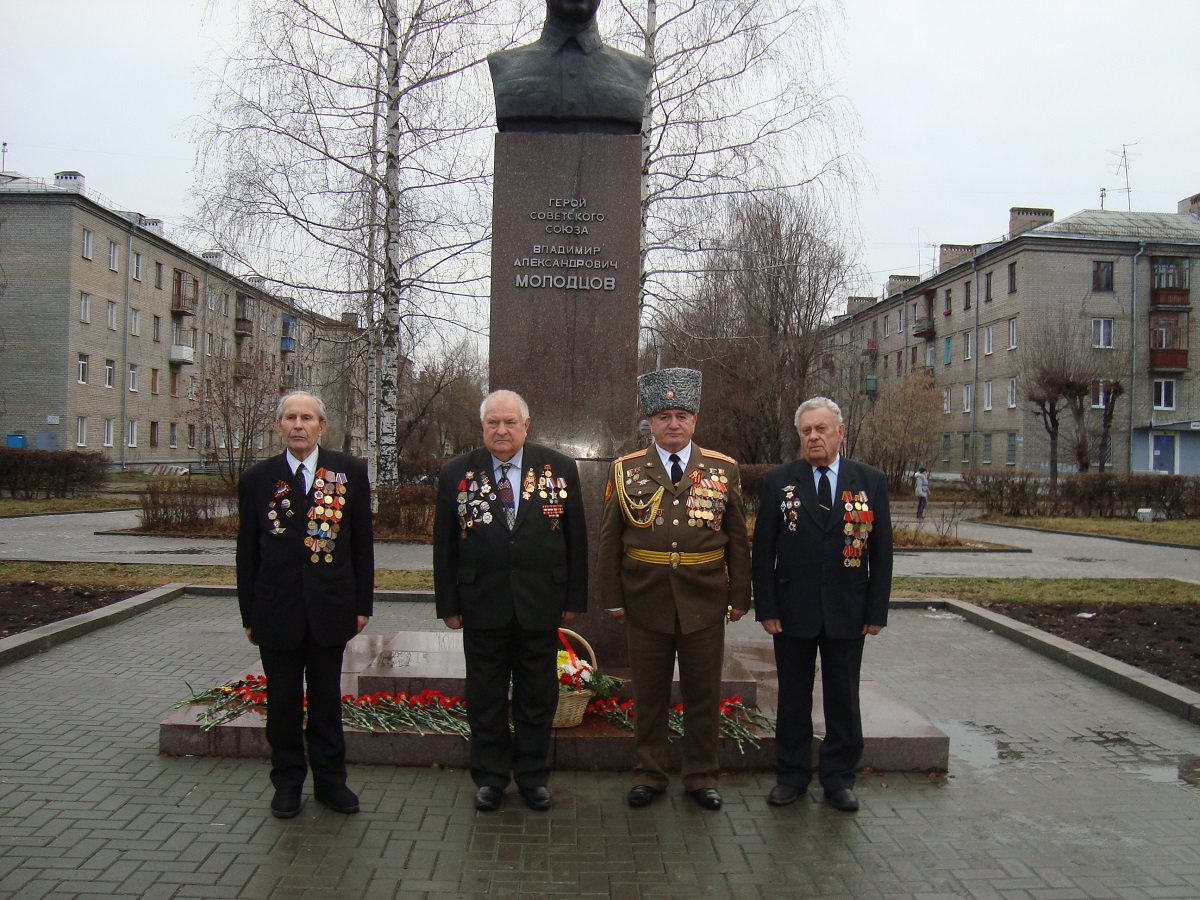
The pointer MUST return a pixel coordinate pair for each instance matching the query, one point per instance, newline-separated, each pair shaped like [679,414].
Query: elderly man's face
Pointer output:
[572,10]
[673,428]
[301,425]
[820,436]
[504,428]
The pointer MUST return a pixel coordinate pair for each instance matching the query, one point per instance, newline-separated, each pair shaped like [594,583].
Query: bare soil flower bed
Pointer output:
[28,604]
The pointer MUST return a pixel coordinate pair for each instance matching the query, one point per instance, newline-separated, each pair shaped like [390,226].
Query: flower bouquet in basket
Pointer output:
[578,679]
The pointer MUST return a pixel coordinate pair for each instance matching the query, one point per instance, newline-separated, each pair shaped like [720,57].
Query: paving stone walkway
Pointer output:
[1059,787]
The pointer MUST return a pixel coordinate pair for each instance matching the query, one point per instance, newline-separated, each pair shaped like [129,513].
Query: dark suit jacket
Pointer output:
[280,589]
[800,577]
[487,574]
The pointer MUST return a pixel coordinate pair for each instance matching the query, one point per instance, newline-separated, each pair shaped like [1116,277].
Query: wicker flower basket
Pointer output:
[572,704]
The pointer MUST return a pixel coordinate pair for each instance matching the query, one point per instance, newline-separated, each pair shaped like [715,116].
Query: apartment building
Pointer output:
[1116,286]
[114,338]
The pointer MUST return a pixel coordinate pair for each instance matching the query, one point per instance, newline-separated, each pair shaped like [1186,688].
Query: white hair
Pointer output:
[290,394]
[818,403]
[503,395]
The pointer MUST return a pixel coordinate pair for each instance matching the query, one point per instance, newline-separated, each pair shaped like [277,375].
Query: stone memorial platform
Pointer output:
[898,738]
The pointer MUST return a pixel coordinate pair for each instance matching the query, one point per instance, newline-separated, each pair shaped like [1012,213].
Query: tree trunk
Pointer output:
[390,339]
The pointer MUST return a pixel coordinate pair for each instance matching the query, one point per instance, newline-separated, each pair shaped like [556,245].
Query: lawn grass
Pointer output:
[143,576]
[12,506]
[1050,590]
[1175,531]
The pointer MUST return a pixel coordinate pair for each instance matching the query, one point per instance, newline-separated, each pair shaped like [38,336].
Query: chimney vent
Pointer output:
[69,181]
[1190,205]
[898,283]
[1022,219]
[154,225]
[950,255]
[213,258]
[858,304]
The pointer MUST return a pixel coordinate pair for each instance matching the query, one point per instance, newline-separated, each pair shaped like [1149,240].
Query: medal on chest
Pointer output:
[858,520]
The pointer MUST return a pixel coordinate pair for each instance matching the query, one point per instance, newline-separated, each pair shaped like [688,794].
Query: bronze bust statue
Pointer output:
[569,81]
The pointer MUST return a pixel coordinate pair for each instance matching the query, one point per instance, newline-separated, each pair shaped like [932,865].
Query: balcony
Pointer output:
[924,328]
[243,370]
[243,327]
[871,348]
[183,306]
[182,355]
[870,384]
[1168,359]
[287,344]
[1170,299]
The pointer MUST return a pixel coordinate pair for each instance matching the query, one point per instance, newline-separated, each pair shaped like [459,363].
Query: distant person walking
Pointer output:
[922,492]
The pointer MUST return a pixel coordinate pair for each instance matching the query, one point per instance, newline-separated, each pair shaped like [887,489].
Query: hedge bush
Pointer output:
[1092,495]
[33,474]
[186,506]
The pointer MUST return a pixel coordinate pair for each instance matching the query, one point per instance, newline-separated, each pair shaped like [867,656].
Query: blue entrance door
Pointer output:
[1164,454]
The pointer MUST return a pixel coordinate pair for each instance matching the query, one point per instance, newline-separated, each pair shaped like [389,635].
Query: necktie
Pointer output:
[676,469]
[504,489]
[824,491]
[300,489]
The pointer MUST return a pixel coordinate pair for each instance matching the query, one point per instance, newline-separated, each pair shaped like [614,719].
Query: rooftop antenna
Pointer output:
[1103,194]
[1122,168]
[4,157]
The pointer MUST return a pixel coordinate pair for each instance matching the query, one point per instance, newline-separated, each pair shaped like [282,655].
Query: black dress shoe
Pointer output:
[337,797]
[537,798]
[641,795]
[784,795]
[487,799]
[707,797]
[842,799]
[287,803]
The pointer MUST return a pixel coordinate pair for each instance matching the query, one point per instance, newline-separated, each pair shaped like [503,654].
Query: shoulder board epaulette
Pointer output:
[716,455]
[633,455]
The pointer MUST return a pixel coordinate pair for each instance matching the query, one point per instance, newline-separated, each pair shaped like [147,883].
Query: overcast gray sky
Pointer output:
[966,108]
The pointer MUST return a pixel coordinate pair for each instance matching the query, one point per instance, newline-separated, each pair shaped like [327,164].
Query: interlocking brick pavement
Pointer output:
[1059,787]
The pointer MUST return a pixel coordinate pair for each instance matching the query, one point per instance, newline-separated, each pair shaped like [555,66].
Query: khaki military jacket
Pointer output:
[668,551]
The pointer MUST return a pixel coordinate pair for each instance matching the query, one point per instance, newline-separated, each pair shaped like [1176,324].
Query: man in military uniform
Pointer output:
[674,563]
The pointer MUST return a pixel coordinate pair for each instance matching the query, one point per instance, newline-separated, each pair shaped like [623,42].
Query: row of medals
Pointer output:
[472,495]
[546,486]
[858,518]
[329,490]
[706,501]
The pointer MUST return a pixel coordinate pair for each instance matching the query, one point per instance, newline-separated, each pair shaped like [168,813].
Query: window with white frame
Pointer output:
[137,267]
[967,341]
[173,435]
[208,343]
[158,275]
[224,348]
[1012,393]
[947,350]
[1100,389]
[946,399]
[887,326]
[1010,449]
[157,329]
[929,355]
[987,340]
[900,320]
[110,315]
[191,437]
[85,306]
[81,372]
[131,440]
[81,431]
[987,396]
[108,432]
[135,321]
[86,248]
[133,377]
[1012,334]
[110,372]
[968,395]
[985,455]
[1164,393]
[1102,333]
[114,256]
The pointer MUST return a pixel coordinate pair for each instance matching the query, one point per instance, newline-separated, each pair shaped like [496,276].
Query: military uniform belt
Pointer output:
[674,560]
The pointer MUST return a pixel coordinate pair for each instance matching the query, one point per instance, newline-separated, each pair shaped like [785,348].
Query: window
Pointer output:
[966,448]
[1010,449]
[929,354]
[968,392]
[900,320]
[1012,334]
[108,432]
[947,351]
[110,372]
[1100,389]
[114,256]
[135,321]
[1012,393]
[81,431]
[131,439]
[987,396]
[946,399]
[987,287]
[208,298]
[1170,272]
[86,249]
[966,295]
[225,305]
[1012,277]
[154,382]
[156,328]
[985,456]
[945,448]
[947,301]
[1164,393]
[158,273]
[137,267]
[208,342]
[967,344]
[133,378]
[899,363]
[191,437]
[82,371]
[887,325]
[85,306]
[987,340]
[173,435]
[1102,275]
[174,384]
[224,348]
[153,434]
[1102,333]
[110,315]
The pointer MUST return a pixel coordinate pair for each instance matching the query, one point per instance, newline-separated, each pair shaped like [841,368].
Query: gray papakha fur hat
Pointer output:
[669,389]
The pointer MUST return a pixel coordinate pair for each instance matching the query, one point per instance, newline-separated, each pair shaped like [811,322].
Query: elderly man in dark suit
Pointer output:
[306,580]
[510,567]
[822,579]
[568,80]
[674,564]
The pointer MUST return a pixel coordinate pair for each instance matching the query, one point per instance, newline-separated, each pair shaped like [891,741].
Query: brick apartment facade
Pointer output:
[1124,279]
[110,334]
